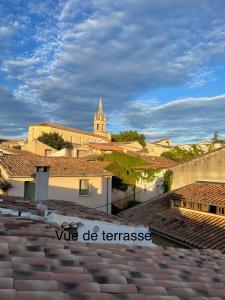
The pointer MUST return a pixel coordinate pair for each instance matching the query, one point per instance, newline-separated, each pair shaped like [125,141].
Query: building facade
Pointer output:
[70,179]
[71,135]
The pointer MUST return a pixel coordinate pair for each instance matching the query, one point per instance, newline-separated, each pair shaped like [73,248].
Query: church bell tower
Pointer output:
[100,122]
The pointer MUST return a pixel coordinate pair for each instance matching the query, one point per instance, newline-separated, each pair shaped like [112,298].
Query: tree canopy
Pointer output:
[126,168]
[216,137]
[128,136]
[179,154]
[53,140]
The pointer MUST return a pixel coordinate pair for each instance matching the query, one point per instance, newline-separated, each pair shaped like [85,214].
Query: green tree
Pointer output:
[215,137]
[53,140]
[128,136]
[128,169]
[179,154]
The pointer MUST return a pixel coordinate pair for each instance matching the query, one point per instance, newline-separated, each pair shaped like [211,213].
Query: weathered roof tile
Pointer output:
[24,166]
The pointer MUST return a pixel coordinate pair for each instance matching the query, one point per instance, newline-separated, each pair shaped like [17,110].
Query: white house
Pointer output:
[70,179]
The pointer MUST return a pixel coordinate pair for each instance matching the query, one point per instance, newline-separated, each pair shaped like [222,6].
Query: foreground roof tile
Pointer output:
[73,270]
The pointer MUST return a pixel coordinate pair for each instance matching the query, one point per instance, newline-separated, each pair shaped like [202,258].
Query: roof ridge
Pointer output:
[63,127]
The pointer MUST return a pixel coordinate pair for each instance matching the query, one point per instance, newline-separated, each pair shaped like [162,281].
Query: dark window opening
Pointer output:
[222,210]
[84,187]
[212,209]
[29,190]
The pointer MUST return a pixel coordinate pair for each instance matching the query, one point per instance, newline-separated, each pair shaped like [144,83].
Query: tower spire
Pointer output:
[100,122]
[100,108]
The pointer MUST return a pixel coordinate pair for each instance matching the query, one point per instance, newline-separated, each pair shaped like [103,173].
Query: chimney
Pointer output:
[41,187]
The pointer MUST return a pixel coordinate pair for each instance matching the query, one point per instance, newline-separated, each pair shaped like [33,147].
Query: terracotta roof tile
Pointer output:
[9,150]
[24,166]
[73,270]
[74,209]
[203,192]
[190,227]
[106,147]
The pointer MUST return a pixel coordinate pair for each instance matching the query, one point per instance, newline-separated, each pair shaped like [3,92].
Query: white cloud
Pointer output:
[189,119]
[115,49]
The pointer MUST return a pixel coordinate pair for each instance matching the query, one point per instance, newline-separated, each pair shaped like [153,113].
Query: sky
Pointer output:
[158,65]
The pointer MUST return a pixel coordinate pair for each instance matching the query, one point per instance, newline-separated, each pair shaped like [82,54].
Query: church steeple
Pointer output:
[100,109]
[100,120]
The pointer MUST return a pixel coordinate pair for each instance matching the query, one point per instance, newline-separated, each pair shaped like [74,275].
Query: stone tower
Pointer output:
[100,123]
[100,120]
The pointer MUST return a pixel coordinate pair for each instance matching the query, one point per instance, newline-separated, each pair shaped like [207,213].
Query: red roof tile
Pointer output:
[9,150]
[203,192]
[24,166]
[40,267]
[186,226]
[106,147]
[66,208]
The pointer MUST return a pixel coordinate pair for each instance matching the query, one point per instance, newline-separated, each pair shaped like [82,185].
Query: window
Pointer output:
[199,206]
[177,203]
[221,210]
[29,190]
[84,187]
[184,204]
[212,209]
[190,205]
[48,152]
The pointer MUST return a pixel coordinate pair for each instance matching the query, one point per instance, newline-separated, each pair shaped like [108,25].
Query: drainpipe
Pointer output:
[107,195]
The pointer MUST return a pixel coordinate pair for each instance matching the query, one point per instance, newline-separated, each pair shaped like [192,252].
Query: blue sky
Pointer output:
[158,65]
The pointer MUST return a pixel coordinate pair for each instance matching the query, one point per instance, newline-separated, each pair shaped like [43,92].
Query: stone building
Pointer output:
[77,138]
[158,147]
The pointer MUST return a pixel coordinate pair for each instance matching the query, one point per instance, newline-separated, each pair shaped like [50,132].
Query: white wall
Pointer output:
[67,188]
[144,190]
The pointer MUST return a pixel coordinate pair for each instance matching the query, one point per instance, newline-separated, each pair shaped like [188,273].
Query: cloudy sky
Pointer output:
[158,65]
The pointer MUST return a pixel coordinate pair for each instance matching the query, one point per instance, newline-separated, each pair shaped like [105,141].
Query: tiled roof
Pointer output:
[105,147]
[69,208]
[9,150]
[58,126]
[65,208]
[35,265]
[204,192]
[24,166]
[155,162]
[195,228]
